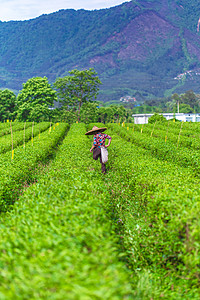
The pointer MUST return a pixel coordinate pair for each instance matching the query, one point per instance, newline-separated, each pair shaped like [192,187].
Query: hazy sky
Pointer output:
[29,9]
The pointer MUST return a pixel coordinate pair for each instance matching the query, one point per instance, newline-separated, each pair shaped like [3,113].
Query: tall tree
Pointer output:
[78,88]
[176,102]
[190,98]
[7,105]
[89,112]
[34,100]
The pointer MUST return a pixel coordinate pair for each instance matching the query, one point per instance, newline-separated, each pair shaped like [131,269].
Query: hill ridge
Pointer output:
[136,47]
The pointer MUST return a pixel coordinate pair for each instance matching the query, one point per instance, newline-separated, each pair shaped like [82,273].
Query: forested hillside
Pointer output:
[147,48]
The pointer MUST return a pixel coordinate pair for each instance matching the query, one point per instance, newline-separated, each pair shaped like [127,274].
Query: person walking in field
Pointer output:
[99,148]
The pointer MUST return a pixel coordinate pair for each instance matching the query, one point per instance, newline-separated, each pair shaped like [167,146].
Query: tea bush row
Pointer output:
[188,129]
[22,169]
[5,128]
[19,138]
[158,207]
[70,216]
[179,137]
[58,242]
[158,148]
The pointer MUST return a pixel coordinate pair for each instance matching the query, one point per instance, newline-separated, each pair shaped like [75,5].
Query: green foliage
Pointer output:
[34,100]
[64,243]
[20,135]
[14,174]
[116,113]
[5,128]
[63,115]
[93,112]
[77,88]
[190,98]
[185,108]
[189,102]
[7,105]
[156,117]
[129,234]
[176,97]
[162,131]
[163,150]
[157,203]
[99,39]
[89,112]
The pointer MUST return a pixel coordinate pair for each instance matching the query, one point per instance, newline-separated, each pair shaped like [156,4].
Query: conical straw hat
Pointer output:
[95,130]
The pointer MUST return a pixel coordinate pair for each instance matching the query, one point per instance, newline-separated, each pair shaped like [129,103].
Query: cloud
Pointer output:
[28,9]
[18,9]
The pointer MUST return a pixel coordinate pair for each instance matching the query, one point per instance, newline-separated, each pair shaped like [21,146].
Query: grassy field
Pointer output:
[70,232]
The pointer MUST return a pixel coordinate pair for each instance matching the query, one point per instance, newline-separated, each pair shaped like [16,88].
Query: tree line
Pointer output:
[71,98]
[188,102]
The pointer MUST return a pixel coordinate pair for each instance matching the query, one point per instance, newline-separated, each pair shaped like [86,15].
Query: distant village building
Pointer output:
[189,74]
[127,99]
[143,118]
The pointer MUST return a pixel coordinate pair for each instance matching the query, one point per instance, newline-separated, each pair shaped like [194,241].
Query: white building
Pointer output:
[143,118]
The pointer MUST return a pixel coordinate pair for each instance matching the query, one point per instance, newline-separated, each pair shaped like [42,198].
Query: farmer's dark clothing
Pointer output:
[96,155]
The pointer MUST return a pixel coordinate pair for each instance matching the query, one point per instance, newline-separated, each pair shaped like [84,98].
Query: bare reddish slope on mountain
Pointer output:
[141,37]
[138,47]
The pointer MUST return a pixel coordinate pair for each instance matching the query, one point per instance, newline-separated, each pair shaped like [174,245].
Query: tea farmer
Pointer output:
[98,142]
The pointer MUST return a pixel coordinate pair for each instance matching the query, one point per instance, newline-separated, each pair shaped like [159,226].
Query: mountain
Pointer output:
[148,48]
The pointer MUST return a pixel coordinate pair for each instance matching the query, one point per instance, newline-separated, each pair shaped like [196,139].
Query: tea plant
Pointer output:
[132,233]
[15,173]
[62,245]
[19,137]
[157,205]
[165,151]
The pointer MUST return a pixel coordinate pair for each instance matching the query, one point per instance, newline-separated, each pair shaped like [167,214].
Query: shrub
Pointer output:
[156,117]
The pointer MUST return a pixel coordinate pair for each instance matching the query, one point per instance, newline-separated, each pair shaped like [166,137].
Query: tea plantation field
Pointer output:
[69,232]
